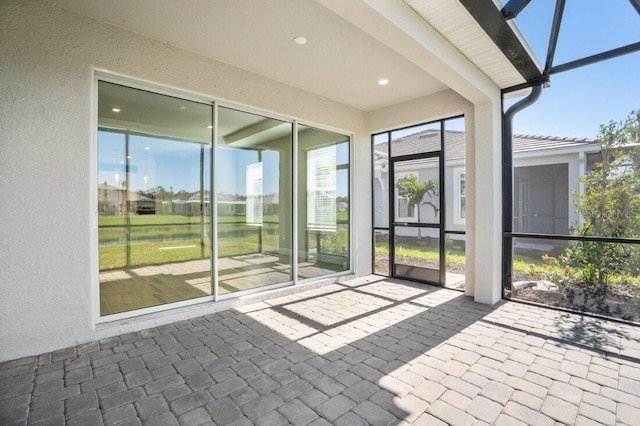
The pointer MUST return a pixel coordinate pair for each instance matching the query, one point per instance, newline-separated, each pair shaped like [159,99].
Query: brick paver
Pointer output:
[362,351]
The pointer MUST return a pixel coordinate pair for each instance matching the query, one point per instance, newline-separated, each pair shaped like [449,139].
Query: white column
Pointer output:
[470,219]
[485,169]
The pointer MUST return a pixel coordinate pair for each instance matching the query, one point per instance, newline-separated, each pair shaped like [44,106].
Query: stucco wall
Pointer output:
[48,261]
[444,104]
[48,236]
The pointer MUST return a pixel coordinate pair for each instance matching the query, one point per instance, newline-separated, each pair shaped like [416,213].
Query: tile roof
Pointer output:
[429,140]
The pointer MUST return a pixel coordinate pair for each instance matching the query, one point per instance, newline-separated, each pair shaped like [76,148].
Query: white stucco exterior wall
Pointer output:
[48,236]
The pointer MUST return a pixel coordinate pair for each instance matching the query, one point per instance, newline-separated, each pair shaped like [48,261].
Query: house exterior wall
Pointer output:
[49,262]
[573,162]
[48,267]
[559,218]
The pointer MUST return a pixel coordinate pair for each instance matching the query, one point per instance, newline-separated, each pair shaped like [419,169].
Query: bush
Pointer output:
[609,205]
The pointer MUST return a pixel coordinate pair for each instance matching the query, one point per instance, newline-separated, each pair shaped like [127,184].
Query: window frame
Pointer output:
[185,94]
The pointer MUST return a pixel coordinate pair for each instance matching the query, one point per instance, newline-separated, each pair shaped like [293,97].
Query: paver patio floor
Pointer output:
[364,351]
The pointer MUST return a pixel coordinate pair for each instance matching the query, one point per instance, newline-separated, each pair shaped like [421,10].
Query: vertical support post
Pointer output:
[487,166]
[392,214]
[294,205]
[261,227]
[213,202]
[507,184]
[443,213]
[125,198]
[201,230]
[470,219]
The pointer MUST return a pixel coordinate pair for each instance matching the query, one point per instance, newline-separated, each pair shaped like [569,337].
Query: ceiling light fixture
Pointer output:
[300,40]
[182,107]
[209,126]
[383,81]
[115,109]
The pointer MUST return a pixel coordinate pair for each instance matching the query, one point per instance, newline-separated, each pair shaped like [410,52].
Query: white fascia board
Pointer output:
[554,152]
[396,25]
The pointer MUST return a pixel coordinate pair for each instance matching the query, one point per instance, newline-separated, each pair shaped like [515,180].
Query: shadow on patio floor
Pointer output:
[365,351]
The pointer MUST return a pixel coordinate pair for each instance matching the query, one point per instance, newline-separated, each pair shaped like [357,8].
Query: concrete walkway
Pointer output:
[366,351]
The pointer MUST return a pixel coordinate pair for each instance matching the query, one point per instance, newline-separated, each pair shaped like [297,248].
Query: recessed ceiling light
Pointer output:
[147,148]
[300,40]
[383,81]
[115,109]
[209,126]
[182,107]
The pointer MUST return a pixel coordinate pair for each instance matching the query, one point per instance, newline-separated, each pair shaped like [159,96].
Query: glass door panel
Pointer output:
[416,228]
[323,202]
[417,253]
[153,199]
[254,185]
[417,191]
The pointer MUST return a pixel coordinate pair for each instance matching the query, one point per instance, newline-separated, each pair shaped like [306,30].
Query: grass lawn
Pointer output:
[157,239]
[426,253]
[175,248]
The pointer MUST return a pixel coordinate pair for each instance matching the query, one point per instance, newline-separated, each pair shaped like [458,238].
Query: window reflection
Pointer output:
[254,201]
[323,208]
[155,205]
[153,199]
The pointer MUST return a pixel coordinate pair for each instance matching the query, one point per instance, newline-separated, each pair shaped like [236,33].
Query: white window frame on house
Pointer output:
[459,175]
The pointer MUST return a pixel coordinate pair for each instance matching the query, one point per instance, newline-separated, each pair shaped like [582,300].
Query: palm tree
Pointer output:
[411,188]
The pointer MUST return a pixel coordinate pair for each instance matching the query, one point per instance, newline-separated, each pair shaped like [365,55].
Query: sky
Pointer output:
[176,165]
[580,100]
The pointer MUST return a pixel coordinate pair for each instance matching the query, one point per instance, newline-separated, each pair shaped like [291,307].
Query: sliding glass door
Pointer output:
[157,166]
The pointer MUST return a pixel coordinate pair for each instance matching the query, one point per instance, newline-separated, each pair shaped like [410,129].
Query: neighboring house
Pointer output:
[543,165]
[115,201]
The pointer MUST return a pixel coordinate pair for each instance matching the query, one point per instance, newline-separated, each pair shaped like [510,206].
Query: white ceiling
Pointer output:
[340,61]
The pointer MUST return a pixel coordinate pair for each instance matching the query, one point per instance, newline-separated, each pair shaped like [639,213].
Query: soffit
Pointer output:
[454,23]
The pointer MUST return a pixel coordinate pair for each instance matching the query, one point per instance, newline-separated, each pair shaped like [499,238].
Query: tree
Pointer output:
[105,206]
[609,205]
[159,193]
[411,188]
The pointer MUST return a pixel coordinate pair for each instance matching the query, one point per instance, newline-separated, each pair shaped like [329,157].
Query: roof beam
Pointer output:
[513,8]
[254,129]
[609,54]
[553,37]
[498,29]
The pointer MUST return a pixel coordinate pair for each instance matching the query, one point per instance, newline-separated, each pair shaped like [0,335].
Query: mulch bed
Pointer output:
[616,301]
